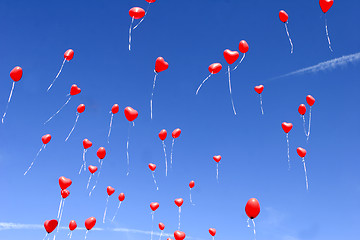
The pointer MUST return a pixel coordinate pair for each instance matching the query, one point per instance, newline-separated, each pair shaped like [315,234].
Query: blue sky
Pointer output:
[190,36]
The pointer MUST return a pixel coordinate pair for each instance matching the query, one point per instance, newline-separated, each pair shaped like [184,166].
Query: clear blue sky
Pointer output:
[190,35]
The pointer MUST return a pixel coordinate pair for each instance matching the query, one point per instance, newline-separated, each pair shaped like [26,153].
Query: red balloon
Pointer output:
[179,235]
[161,226]
[72,225]
[69,54]
[217,158]
[212,231]
[101,153]
[301,152]
[16,74]
[64,182]
[310,100]
[74,90]
[160,65]
[110,190]
[169,239]
[176,133]
[259,89]
[302,109]
[252,208]
[87,143]
[179,202]
[81,108]
[326,5]
[152,166]
[90,223]
[121,197]
[192,184]
[231,56]
[286,127]
[215,68]
[150,1]
[115,108]
[50,225]
[46,138]
[130,114]
[283,16]
[92,169]
[137,12]
[154,206]
[65,193]
[163,134]
[243,46]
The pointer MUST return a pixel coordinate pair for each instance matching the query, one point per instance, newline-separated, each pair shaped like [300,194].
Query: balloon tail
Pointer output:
[146,12]
[87,186]
[242,59]
[127,151]
[191,199]
[254,228]
[161,233]
[217,172]
[84,162]
[179,217]
[57,75]
[7,105]
[70,235]
[86,234]
[152,224]
[327,34]
[171,155]
[288,149]
[232,101]
[306,179]
[45,236]
[197,91]
[58,111]
[153,175]
[304,123]
[61,212]
[42,147]
[287,32]
[308,134]
[76,120]
[261,105]
[152,95]
[132,21]
[166,163]
[61,201]
[117,210]
[111,120]
[107,200]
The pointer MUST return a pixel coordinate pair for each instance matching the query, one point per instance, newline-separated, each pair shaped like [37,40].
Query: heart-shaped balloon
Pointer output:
[74,90]
[46,138]
[252,208]
[179,202]
[16,74]
[326,5]
[150,1]
[64,182]
[192,184]
[310,100]
[176,133]
[90,223]
[283,16]
[179,235]
[163,134]
[92,169]
[101,153]
[81,108]
[212,231]
[302,109]
[121,197]
[215,68]
[286,127]
[130,114]
[161,226]
[154,206]
[243,46]
[160,65]
[110,190]
[231,56]
[217,158]
[65,193]
[301,152]
[152,166]
[87,143]
[72,225]
[115,109]
[259,89]
[69,54]
[50,225]
[136,12]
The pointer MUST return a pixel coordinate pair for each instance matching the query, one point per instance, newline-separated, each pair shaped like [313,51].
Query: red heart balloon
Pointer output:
[86,143]
[286,127]
[161,226]
[326,5]
[243,46]
[110,190]
[64,182]
[217,158]
[115,108]
[16,74]
[283,16]
[46,138]
[90,223]
[301,152]
[179,235]
[130,114]
[154,206]
[136,12]
[179,202]
[163,134]
[231,56]
[50,225]
[65,193]
[152,166]
[215,68]
[192,184]
[259,89]
[169,239]
[121,197]
[69,54]
[176,133]
[212,231]
[310,100]
[252,208]
[302,109]
[92,169]
[101,153]
[74,90]
[81,108]
[150,1]
[72,225]
[160,65]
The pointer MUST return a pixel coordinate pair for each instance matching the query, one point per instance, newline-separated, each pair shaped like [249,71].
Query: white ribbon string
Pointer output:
[57,75]
[7,105]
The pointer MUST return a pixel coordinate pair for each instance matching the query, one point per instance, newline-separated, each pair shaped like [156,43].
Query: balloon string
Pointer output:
[327,34]
[172,149]
[161,233]
[152,224]
[7,105]
[308,134]
[57,75]
[153,175]
[254,228]
[58,111]
[42,147]
[45,236]
[287,32]
[217,172]
[304,125]
[76,120]
[111,120]
[242,59]
[127,150]
[117,210]
[232,101]
[306,179]
[261,105]
[152,95]
[62,209]
[107,200]
[179,217]
[70,235]
[203,83]
[146,12]
[288,149]
[97,179]
[166,163]
[86,233]
[87,186]
[84,162]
